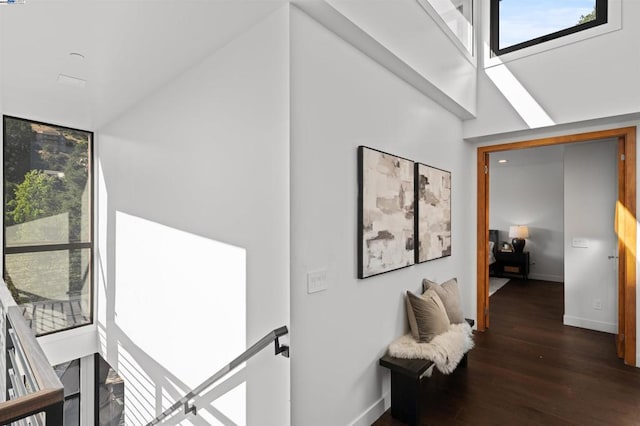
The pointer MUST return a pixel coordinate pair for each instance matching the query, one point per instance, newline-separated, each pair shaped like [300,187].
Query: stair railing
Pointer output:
[272,336]
[34,393]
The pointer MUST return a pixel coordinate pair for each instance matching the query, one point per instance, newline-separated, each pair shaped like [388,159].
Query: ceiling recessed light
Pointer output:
[71,81]
[503,161]
[76,55]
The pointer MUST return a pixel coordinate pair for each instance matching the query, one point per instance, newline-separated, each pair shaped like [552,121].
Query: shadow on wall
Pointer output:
[172,312]
[150,388]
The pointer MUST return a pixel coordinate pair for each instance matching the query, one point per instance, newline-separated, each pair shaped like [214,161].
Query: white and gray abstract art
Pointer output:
[433,224]
[386,222]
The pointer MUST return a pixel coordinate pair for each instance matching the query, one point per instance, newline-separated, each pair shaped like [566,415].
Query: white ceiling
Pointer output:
[131,48]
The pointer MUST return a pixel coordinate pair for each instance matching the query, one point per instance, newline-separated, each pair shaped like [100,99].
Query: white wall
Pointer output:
[341,99]
[585,80]
[528,190]
[407,30]
[193,234]
[590,179]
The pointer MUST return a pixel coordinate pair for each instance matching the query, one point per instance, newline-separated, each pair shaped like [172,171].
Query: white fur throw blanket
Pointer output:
[445,350]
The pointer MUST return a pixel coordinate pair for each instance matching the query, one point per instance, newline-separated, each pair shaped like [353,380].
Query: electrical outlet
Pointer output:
[597,304]
[317,281]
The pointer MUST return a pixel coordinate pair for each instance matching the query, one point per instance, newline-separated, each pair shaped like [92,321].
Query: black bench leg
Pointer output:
[405,398]
[463,361]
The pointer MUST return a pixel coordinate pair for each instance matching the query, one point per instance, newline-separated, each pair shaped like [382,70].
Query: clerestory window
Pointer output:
[455,17]
[516,24]
[48,223]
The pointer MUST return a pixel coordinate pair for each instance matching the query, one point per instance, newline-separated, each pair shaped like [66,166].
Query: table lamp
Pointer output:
[518,233]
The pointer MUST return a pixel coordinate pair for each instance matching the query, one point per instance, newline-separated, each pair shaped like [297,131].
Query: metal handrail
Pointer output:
[32,386]
[253,350]
[46,393]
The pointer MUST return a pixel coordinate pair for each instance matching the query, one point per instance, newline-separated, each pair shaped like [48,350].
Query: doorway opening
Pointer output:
[625,228]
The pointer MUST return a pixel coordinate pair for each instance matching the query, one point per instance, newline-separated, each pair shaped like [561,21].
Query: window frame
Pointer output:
[56,246]
[602,17]
[469,54]
[78,394]
[97,359]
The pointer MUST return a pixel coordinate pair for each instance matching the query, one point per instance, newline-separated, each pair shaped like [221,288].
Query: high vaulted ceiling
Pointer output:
[130,49]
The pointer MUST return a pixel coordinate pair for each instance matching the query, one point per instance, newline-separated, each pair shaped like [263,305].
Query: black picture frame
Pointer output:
[433,192]
[386,226]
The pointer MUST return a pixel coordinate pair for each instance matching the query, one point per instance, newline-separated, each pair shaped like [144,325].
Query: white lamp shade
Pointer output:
[519,231]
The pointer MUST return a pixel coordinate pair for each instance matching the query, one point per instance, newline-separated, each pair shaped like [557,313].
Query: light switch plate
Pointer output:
[580,242]
[317,281]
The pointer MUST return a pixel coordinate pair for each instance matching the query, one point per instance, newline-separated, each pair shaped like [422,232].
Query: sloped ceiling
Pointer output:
[130,48]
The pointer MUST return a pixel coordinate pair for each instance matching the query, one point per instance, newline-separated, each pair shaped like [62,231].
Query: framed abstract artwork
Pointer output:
[433,213]
[385,212]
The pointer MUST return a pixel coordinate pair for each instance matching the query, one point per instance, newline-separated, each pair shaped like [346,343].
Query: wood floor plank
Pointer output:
[530,369]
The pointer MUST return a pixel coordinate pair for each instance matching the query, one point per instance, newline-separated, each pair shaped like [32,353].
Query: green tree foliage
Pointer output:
[35,198]
[17,147]
[31,193]
[75,183]
[591,16]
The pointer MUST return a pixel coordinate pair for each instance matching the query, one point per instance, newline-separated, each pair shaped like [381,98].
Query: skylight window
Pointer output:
[516,24]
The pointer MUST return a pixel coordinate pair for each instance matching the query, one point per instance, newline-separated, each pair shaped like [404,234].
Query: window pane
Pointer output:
[109,395]
[47,198]
[53,287]
[69,375]
[524,20]
[72,411]
[48,222]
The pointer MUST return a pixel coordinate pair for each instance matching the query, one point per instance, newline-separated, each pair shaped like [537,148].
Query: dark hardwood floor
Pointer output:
[529,369]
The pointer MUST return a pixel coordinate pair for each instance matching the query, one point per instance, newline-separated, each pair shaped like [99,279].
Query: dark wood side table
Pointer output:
[513,263]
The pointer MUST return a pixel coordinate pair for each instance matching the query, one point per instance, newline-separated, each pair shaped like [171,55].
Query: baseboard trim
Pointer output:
[372,413]
[546,277]
[590,324]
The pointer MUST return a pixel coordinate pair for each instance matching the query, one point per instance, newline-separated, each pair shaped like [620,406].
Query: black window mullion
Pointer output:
[47,247]
[494,25]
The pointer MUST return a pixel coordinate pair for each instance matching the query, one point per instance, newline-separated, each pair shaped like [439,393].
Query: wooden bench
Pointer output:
[406,376]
